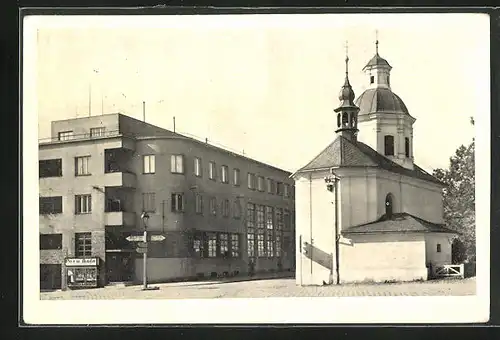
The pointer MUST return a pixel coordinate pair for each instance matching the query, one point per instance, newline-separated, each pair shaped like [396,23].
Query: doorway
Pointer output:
[50,276]
[119,267]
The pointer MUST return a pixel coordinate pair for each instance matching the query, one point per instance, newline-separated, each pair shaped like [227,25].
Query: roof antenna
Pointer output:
[376,42]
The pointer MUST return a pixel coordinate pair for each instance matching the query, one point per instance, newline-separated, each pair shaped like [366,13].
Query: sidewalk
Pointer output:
[242,278]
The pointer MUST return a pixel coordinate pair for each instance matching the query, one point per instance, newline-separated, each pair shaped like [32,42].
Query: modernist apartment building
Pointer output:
[221,213]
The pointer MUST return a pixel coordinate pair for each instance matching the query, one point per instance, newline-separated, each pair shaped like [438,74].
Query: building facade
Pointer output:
[221,213]
[365,211]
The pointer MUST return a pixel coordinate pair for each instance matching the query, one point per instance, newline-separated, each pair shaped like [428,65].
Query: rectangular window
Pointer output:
[83,204]
[149,164]
[270,186]
[251,181]
[251,243]
[269,218]
[260,183]
[83,244]
[50,205]
[286,217]
[224,174]
[235,245]
[50,241]
[212,171]
[65,135]
[236,177]
[438,248]
[286,190]
[199,203]
[389,145]
[260,217]
[270,243]
[149,202]
[223,244]
[177,164]
[407,147]
[97,132]
[261,251]
[177,202]
[279,188]
[279,219]
[278,244]
[197,167]
[372,79]
[225,208]
[237,208]
[212,244]
[250,215]
[213,206]
[198,244]
[82,166]
[50,168]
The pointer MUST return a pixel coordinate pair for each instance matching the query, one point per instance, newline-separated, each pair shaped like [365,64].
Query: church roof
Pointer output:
[344,153]
[380,100]
[377,60]
[398,223]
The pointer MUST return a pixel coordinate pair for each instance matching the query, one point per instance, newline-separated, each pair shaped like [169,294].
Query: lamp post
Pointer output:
[145,217]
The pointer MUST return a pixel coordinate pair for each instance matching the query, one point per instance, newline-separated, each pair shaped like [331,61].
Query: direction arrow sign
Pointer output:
[135,238]
[155,238]
[142,244]
[141,250]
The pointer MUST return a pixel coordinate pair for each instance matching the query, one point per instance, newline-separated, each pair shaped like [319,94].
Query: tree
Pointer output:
[459,200]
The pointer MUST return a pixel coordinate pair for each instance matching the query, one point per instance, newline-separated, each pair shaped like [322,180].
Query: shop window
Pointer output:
[224,245]
[235,245]
[212,244]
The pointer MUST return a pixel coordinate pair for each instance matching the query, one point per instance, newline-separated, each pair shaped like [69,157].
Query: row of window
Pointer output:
[389,146]
[83,243]
[94,132]
[53,204]
[53,168]
[216,244]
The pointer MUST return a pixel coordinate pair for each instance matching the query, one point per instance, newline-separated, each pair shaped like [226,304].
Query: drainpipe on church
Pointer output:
[337,235]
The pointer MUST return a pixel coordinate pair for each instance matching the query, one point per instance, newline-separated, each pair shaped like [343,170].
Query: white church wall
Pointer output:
[432,255]
[383,257]
[315,222]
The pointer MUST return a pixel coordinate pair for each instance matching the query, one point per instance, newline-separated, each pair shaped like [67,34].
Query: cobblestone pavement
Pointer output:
[268,288]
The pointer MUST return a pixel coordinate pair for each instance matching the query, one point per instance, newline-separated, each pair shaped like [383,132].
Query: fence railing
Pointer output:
[81,136]
[449,270]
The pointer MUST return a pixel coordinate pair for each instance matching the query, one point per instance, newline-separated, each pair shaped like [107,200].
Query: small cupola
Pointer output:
[347,112]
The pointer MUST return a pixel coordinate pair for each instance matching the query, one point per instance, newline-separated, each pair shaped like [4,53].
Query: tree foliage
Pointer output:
[459,200]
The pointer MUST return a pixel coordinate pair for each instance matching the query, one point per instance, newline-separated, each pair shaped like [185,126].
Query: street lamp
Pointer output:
[145,218]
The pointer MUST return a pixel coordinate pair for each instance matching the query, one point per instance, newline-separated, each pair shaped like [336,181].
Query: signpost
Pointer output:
[142,248]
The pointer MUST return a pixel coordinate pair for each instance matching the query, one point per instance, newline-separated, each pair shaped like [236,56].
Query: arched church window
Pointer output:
[407,147]
[345,119]
[388,82]
[388,205]
[372,79]
[389,145]
[338,120]
[353,120]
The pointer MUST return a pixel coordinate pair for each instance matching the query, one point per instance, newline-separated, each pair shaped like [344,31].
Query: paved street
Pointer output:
[268,288]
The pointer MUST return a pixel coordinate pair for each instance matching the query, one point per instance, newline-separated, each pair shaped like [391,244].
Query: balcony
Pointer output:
[120,179]
[119,218]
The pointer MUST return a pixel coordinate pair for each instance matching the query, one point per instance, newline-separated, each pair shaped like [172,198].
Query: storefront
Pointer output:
[82,272]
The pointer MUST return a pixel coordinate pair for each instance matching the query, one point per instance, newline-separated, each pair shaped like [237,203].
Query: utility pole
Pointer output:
[174,124]
[143,111]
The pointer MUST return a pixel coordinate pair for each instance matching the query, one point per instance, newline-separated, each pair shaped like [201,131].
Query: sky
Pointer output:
[265,84]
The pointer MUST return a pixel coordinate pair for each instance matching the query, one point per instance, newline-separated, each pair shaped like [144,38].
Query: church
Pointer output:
[365,212]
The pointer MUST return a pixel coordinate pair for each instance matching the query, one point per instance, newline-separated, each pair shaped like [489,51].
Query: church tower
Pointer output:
[384,120]
[347,112]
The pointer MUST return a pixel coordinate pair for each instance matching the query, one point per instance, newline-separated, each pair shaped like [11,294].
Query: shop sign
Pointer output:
[81,261]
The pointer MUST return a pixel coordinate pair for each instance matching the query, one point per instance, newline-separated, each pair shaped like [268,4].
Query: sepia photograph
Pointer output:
[256,168]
